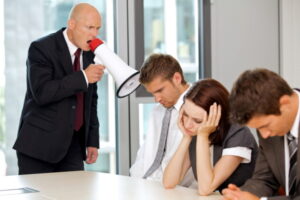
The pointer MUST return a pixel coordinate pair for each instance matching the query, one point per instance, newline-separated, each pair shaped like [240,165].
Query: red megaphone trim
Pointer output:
[95,43]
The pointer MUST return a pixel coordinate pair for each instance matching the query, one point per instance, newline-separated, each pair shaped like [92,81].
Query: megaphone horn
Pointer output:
[127,78]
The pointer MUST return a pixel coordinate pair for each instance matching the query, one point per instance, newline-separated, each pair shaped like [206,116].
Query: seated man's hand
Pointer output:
[235,193]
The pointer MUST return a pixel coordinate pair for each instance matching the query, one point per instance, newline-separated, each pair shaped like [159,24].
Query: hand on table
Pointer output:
[235,193]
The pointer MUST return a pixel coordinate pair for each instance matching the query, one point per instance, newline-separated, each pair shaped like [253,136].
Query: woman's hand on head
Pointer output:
[210,122]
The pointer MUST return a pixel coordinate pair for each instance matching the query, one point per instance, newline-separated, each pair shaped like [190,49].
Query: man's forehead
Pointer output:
[154,87]
[258,121]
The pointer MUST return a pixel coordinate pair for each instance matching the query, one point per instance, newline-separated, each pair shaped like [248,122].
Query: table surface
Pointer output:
[83,185]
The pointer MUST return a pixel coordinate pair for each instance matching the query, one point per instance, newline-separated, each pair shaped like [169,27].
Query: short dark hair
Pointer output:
[160,65]
[206,92]
[257,92]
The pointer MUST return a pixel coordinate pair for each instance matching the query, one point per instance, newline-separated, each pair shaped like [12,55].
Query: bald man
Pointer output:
[59,127]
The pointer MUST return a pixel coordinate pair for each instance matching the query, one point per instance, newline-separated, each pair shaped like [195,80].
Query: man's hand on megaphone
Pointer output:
[94,73]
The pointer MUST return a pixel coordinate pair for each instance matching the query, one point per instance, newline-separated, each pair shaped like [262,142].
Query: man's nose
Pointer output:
[95,32]
[265,134]
[157,98]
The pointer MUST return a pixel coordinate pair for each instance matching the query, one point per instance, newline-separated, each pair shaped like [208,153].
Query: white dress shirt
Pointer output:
[72,49]
[147,152]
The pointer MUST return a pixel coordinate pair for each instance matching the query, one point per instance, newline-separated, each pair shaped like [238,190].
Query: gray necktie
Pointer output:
[293,163]
[162,143]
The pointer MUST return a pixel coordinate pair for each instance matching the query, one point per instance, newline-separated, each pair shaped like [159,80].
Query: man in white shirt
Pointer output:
[162,76]
[261,99]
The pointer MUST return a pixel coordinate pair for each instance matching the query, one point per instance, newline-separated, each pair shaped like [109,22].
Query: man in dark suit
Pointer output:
[261,99]
[59,124]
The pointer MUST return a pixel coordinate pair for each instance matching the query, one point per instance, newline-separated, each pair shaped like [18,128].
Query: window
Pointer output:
[163,35]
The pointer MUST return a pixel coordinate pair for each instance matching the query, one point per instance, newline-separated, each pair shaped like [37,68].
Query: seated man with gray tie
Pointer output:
[162,76]
[263,100]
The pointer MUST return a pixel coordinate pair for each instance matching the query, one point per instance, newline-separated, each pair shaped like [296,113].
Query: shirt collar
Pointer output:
[179,102]
[72,48]
[295,127]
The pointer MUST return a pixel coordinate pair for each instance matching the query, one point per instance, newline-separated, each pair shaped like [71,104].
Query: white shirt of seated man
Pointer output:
[147,152]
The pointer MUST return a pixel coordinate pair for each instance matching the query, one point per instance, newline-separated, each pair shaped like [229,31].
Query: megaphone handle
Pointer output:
[97,61]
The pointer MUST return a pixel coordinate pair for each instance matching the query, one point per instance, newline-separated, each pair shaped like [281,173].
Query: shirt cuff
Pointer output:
[243,152]
[86,80]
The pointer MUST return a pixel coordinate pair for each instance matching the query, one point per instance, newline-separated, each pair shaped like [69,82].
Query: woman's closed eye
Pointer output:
[198,121]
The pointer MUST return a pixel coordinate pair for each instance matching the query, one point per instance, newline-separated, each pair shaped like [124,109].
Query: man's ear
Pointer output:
[71,24]
[284,102]
[177,78]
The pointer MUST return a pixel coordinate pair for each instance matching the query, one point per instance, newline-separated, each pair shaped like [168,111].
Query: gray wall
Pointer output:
[245,34]
[290,41]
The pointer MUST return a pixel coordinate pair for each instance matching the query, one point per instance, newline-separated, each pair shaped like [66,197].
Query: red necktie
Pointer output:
[79,105]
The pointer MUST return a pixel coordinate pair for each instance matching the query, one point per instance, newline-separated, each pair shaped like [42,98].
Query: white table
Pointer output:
[82,185]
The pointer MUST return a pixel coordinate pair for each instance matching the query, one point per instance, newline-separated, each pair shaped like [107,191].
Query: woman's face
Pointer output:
[192,117]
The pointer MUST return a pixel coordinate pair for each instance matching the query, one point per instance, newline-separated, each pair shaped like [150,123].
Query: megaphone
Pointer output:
[127,78]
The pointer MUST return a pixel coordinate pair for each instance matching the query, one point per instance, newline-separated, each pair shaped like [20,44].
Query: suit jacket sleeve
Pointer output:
[44,87]
[93,137]
[283,198]
[263,182]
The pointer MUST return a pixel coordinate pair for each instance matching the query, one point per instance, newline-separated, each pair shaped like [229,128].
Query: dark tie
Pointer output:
[162,143]
[293,163]
[79,104]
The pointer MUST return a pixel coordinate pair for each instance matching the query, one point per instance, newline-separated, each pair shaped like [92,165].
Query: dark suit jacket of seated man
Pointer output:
[263,100]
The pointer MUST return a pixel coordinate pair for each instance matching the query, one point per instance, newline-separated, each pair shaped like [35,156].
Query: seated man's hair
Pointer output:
[160,65]
[256,92]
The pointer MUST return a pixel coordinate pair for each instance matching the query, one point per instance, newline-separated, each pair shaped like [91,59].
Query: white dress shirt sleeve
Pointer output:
[136,169]
[243,152]
[146,152]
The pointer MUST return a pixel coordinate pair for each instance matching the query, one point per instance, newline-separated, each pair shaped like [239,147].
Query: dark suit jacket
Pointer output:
[269,173]
[47,120]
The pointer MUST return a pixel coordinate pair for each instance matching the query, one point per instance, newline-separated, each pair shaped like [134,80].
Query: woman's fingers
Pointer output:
[212,114]
[218,116]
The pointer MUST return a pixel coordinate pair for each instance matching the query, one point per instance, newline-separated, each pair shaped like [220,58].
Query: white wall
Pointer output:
[290,41]
[245,34]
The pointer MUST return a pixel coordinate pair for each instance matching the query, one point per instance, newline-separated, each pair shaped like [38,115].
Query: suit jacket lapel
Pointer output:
[63,52]
[85,59]
[278,148]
